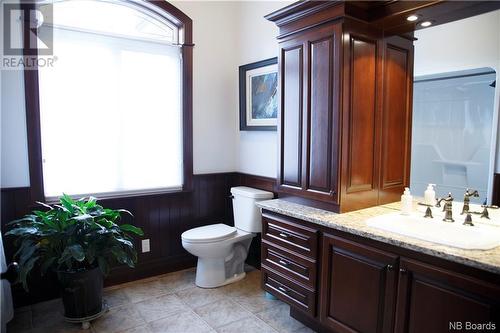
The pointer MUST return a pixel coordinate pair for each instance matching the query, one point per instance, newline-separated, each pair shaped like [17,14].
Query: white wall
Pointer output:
[215,36]
[463,45]
[257,152]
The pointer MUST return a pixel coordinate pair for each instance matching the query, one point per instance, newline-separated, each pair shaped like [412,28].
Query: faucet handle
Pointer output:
[468,220]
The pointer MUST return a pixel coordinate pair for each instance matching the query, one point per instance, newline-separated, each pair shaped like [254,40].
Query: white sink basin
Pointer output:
[478,237]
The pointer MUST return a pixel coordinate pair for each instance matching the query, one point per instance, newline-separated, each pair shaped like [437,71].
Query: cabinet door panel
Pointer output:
[362,115]
[396,118]
[322,139]
[430,299]
[291,115]
[358,287]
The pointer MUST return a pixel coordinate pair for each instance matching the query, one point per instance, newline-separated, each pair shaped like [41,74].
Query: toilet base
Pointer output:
[210,273]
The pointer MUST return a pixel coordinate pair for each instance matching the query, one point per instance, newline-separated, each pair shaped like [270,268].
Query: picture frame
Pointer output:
[258,85]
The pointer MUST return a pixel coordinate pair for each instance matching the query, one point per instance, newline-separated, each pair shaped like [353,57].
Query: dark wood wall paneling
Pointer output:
[162,217]
[495,200]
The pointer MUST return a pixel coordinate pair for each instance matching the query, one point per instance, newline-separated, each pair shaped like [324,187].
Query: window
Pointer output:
[114,110]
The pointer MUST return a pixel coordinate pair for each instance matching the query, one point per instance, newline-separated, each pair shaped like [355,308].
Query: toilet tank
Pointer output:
[246,213]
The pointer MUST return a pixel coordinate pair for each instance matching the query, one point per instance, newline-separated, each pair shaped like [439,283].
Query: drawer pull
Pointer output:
[283,262]
[283,289]
[403,271]
[390,267]
[283,235]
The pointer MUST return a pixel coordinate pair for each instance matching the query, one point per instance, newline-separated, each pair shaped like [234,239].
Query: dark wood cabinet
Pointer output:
[309,114]
[289,261]
[432,299]
[358,287]
[339,283]
[345,108]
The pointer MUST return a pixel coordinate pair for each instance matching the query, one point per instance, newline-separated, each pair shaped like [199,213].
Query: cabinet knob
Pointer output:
[390,267]
[283,262]
[283,235]
[283,289]
[403,270]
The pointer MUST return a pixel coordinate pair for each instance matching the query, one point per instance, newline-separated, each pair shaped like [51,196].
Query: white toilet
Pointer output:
[221,249]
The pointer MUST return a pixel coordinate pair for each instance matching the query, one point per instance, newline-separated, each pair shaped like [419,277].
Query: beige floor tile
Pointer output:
[222,312]
[196,297]
[279,318]
[186,322]
[247,325]
[138,329]
[60,327]
[141,290]
[179,281]
[160,307]
[21,322]
[117,320]
[115,297]
[47,313]
[304,329]
[256,303]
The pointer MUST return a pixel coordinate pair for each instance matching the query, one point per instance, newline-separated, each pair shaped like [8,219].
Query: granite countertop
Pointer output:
[354,223]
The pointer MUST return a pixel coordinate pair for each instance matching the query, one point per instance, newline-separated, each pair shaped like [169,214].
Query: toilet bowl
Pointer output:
[222,249]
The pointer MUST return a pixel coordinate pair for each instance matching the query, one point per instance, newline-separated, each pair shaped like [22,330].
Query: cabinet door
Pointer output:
[396,118]
[308,126]
[432,299]
[360,105]
[358,287]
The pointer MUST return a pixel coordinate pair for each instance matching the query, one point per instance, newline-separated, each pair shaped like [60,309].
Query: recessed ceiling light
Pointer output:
[426,24]
[412,18]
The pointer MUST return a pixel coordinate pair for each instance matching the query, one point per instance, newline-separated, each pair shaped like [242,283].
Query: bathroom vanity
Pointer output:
[341,275]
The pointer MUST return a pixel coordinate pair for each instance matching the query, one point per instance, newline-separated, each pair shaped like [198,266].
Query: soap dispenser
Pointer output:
[430,195]
[406,202]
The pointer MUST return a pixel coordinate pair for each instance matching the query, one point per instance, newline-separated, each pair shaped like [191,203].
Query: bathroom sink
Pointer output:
[478,237]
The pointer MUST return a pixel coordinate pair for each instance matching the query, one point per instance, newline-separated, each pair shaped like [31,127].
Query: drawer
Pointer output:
[289,292]
[295,267]
[284,232]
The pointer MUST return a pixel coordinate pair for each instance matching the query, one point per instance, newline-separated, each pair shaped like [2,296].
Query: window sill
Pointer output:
[124,195]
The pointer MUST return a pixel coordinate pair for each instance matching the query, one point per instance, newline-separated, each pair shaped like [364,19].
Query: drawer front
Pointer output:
[282,231]
[289,292]
[295,267]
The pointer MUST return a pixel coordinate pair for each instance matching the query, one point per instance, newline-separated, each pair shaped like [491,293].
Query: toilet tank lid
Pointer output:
[250,192]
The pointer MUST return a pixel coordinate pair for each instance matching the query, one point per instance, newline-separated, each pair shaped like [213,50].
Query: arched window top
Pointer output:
[122,83]
[149,21]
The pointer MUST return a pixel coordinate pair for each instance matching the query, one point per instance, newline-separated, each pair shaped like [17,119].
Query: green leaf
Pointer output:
[68,203]
[132,229]
[46,265]
[103,265]
[25,270]
[125,211]
[44,205]
[74,251]
[22,231]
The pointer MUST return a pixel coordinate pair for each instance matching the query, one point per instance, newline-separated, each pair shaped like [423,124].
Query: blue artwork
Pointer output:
[264,96]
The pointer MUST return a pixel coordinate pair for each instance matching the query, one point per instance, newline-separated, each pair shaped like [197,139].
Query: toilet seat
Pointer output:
[209,234]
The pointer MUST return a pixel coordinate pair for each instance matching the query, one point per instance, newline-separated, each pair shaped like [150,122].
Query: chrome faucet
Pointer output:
[448,205]
[467,195]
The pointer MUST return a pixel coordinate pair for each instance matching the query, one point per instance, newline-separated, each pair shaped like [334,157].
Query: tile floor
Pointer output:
[171,303]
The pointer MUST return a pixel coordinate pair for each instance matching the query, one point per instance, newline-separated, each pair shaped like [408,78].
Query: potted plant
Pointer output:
[78,239]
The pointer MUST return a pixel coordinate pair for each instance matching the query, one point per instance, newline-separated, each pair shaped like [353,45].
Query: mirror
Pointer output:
[455,107]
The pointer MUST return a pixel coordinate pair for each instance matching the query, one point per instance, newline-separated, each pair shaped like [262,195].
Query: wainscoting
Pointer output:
[162,217]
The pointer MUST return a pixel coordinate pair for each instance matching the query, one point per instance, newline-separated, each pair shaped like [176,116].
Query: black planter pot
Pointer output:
[81,292]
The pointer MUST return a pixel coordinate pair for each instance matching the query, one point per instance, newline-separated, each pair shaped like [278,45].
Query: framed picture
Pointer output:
[259,96]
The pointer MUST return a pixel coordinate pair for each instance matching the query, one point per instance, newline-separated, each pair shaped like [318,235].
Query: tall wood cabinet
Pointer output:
[345,108]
